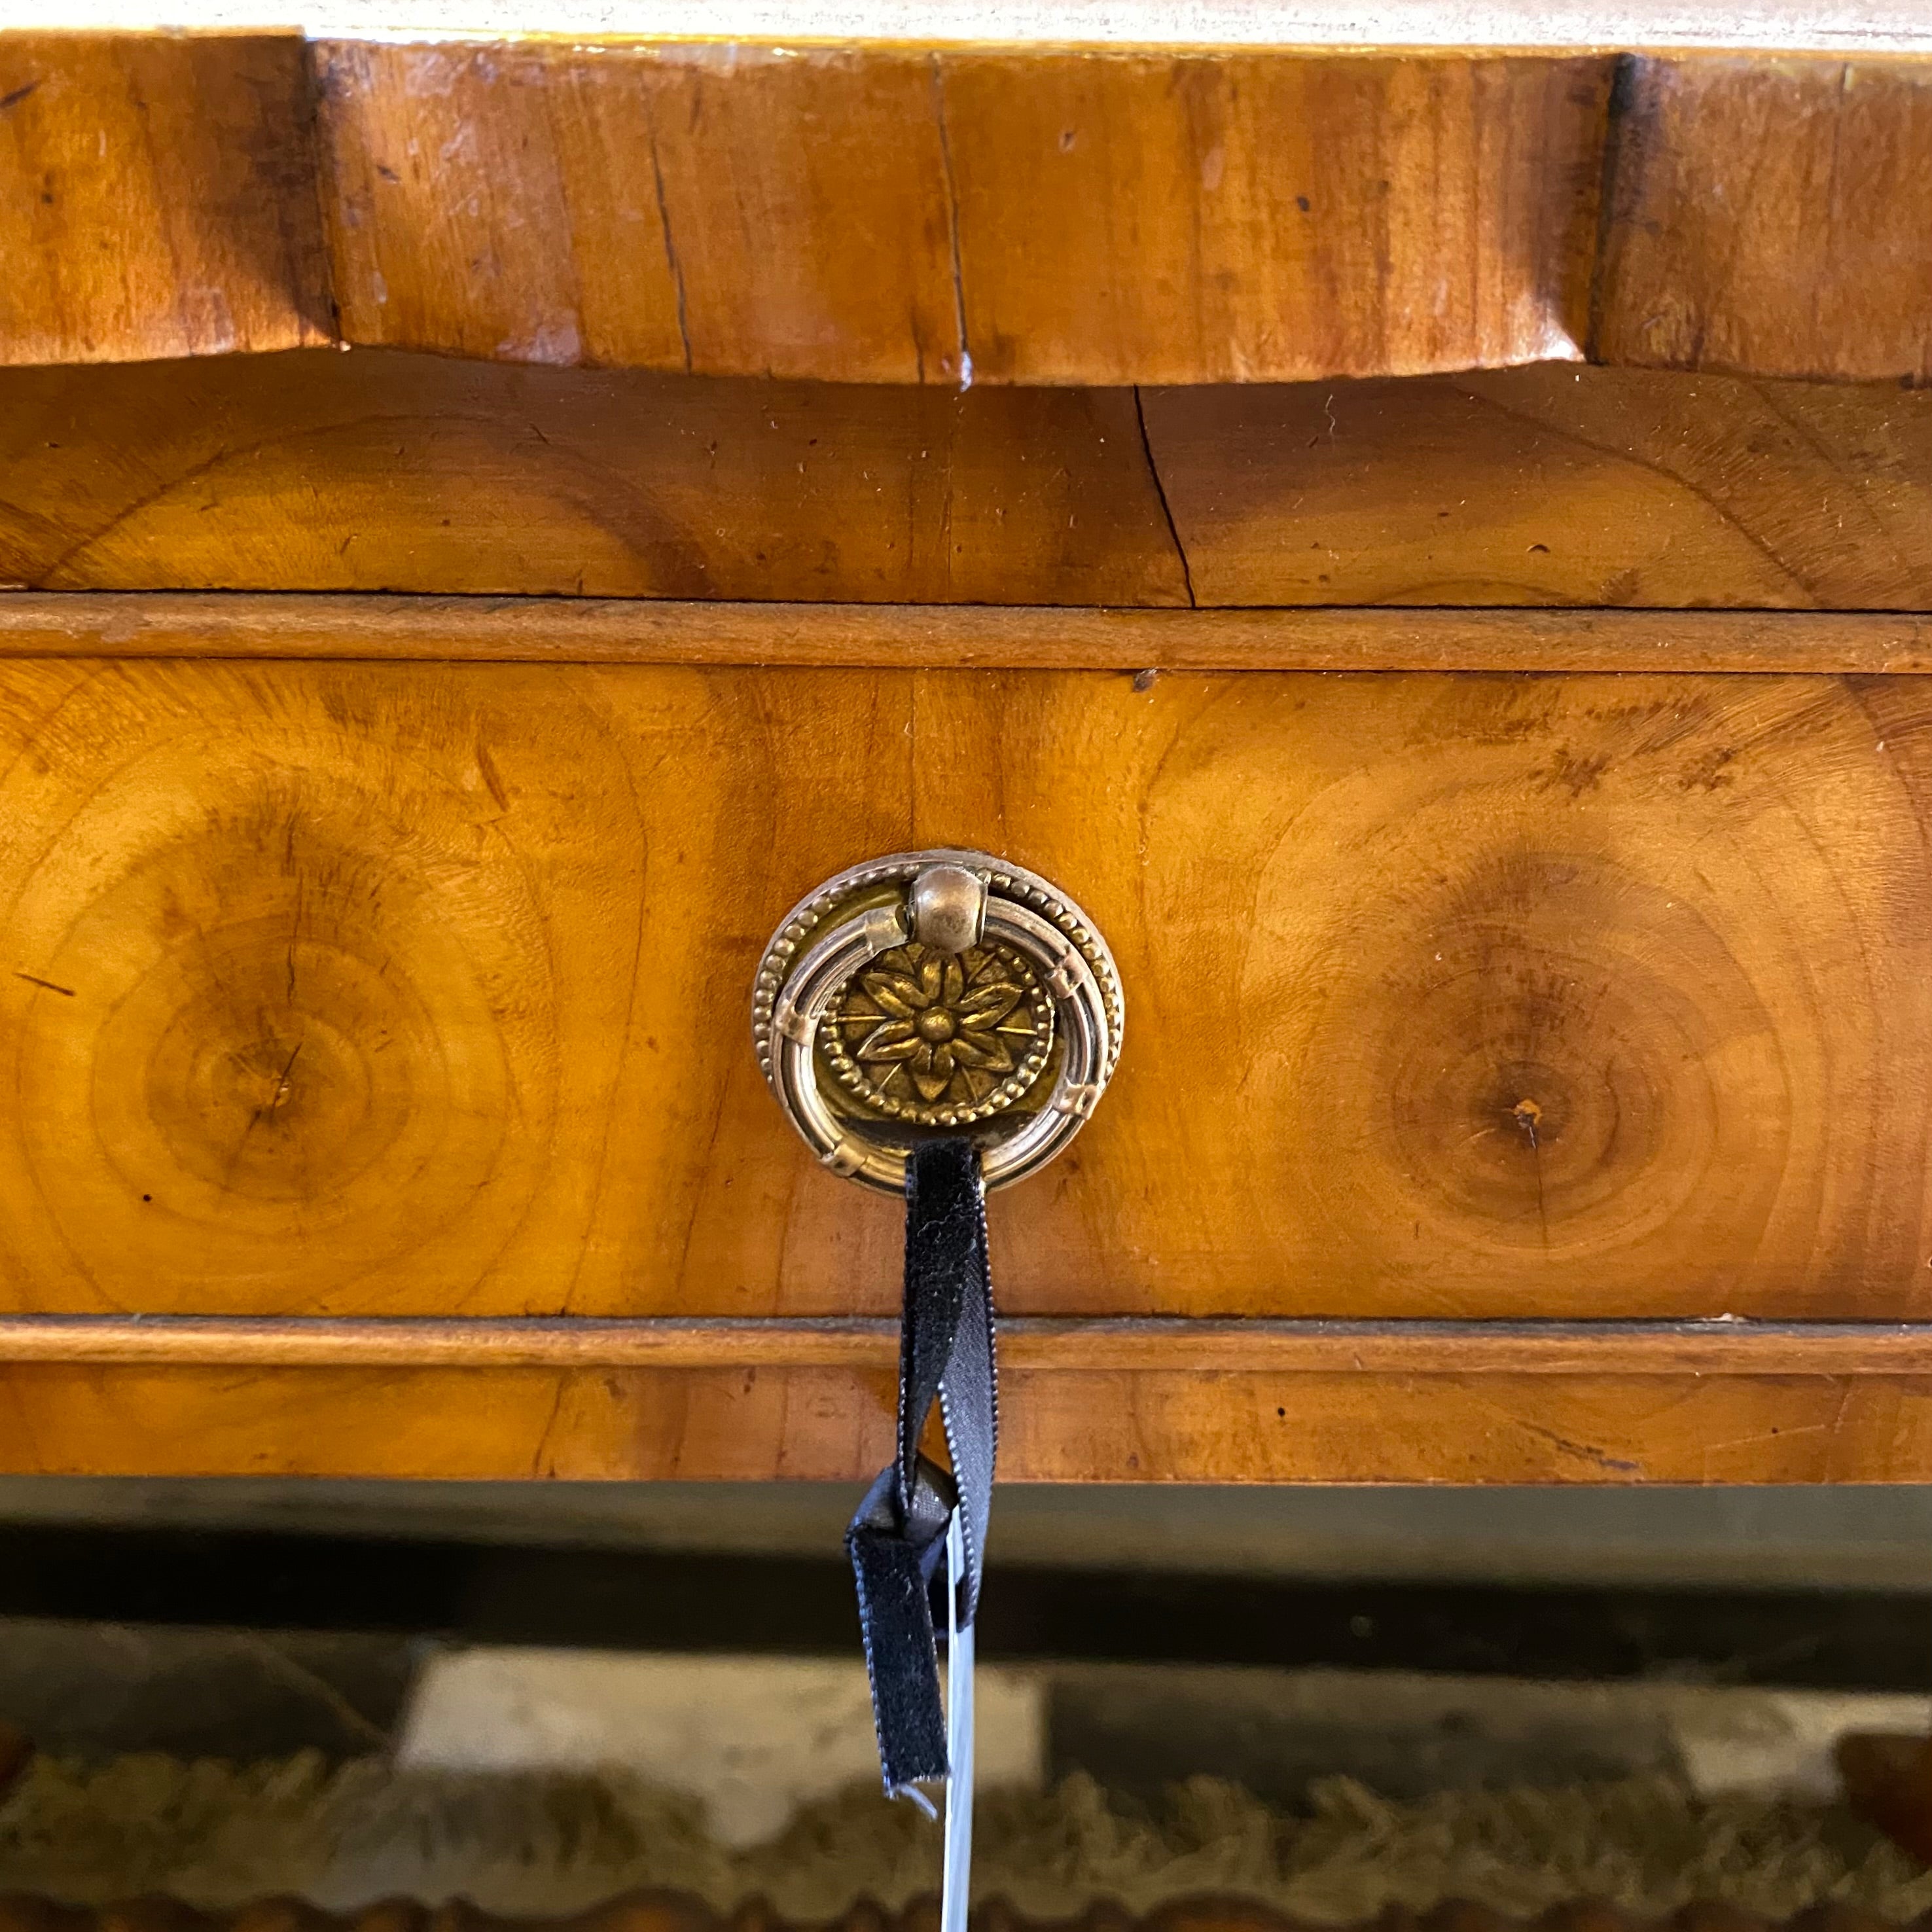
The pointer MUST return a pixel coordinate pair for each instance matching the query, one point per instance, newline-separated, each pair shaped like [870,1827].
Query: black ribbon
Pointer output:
[898,1540]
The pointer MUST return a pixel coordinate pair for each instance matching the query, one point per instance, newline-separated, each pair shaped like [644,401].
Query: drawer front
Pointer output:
[340,987]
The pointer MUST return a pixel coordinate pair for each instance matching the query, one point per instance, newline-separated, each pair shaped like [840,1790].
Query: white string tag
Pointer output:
[956,1884]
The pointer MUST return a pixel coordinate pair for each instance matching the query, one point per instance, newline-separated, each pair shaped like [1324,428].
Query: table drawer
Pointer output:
[356,988]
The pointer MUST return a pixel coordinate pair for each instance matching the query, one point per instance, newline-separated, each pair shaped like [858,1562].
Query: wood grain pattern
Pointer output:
[726,209]
[747,1424]
[1772,216]
[1551,485]
[380,470]
[887,214]
[894,213]
[319,471]
[406,630]
[157,197]
[1240,217]
[421,989]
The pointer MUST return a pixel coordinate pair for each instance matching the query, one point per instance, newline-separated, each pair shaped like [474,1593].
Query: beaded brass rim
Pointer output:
[934,991]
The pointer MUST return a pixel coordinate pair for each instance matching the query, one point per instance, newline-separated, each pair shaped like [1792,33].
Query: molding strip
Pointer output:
[1029,1344]
[567,631]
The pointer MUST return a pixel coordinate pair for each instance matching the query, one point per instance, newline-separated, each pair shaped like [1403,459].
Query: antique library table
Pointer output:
[1427,547]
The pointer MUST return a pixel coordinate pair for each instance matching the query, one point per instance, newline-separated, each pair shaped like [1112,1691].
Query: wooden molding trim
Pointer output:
[752,1421]
[1029,1344]
[560,630]
[885,212]
[1084,1401]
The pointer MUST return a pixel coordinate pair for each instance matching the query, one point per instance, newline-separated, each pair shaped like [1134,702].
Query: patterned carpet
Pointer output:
[667,1912]
[217,1837]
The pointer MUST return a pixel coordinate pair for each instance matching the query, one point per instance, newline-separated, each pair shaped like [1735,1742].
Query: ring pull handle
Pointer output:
[935,1024]
[938,992]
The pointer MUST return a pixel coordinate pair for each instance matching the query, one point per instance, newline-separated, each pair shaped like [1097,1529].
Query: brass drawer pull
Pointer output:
[935,1023]
[938,991]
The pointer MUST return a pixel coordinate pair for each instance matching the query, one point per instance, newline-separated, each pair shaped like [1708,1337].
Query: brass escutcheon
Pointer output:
[936,992]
